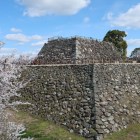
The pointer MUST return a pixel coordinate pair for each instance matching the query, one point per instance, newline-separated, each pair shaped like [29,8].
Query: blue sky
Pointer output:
[26,24]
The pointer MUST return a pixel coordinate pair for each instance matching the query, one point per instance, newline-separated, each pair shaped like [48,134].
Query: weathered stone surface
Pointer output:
[77,50]
[63,94]
[100,97]
[120,105]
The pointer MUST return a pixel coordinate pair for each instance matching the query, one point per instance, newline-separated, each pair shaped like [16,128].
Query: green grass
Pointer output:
[130,133]
[44,130]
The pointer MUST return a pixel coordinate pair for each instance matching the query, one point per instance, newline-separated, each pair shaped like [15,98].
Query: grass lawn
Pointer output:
[130,133]
[43,130]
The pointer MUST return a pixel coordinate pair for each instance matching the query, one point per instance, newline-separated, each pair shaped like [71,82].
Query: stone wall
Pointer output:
[117,96]
[90,100]
[94,51]
[58,51]
[63,94]
[77,50]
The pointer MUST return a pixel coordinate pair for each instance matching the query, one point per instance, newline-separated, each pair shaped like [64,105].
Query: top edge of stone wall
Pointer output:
[83,64]
[50,65]
[72,37]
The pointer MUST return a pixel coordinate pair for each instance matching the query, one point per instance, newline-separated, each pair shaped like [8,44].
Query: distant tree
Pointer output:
[117,38]
[135,53]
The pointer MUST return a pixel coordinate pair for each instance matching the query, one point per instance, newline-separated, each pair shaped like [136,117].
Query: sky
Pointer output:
[25,25]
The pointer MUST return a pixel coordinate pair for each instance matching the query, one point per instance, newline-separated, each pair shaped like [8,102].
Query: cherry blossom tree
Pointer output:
[10,70]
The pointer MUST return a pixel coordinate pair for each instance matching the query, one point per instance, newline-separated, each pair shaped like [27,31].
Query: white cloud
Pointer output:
[31,54]
[133,42]
[36,8]
[7,51]
[36,37]
[21,38]
[16,30]
[17,37]
[108,16]
[129,19]
[86,20]
[40,43]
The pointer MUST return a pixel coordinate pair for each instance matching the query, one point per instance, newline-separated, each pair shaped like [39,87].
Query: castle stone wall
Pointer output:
[94,51]
[88,99]
[117,96]
[59,51]
[63,94]
[77,50]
